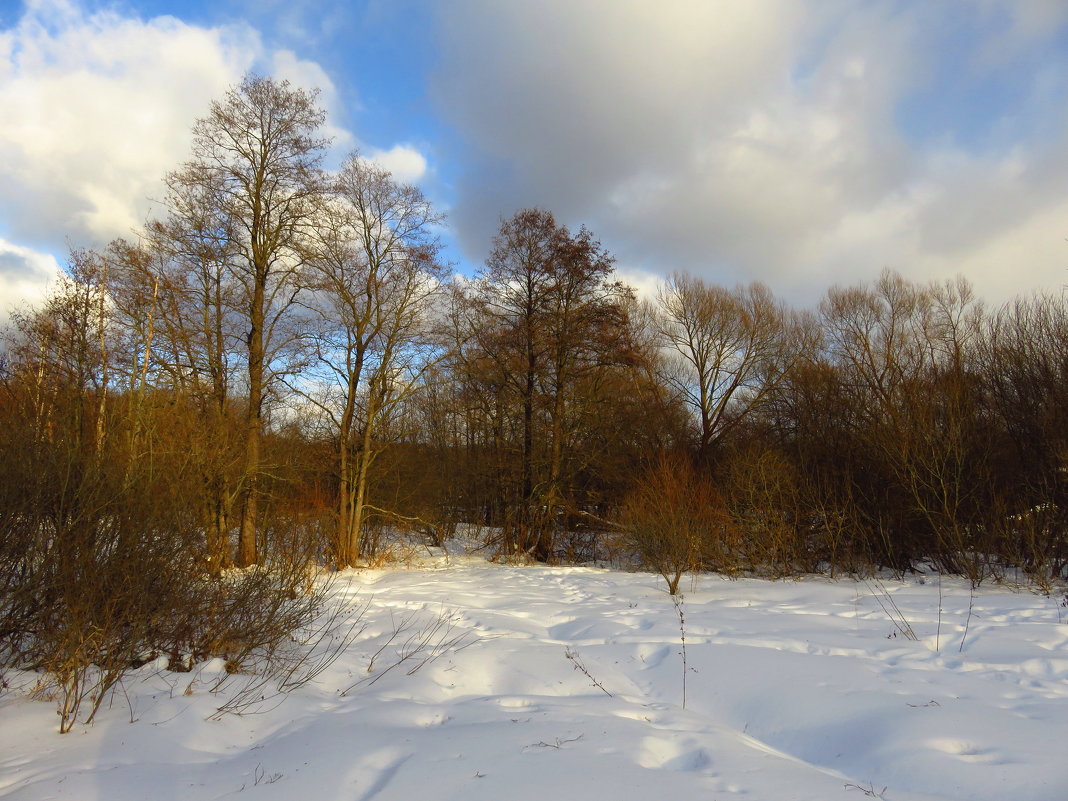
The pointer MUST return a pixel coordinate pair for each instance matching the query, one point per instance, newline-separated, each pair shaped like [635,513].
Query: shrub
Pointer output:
[675,521]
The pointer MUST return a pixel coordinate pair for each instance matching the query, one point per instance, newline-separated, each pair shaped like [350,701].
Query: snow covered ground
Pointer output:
[794,690]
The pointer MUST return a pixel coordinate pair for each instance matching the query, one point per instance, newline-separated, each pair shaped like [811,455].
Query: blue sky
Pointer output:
[802,143]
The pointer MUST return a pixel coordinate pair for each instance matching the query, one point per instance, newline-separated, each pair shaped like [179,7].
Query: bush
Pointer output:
[104,562]
[675,521]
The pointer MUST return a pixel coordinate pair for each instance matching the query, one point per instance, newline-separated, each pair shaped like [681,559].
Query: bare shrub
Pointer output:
[103,561]
[675,521]
[280,665]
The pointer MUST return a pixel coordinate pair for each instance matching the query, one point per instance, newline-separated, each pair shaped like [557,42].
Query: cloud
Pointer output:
[765,140]
[310,23]
[406,163]
[98,106]
[24,276]
[1022,23]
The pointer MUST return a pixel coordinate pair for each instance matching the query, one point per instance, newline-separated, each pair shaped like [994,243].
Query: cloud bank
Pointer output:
[798,142]
[803,144]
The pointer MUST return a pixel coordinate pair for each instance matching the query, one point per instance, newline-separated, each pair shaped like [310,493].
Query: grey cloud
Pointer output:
[24,276]
[18,267]
[741,141]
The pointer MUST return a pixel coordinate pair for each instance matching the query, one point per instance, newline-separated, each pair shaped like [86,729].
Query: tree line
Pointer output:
[281,363]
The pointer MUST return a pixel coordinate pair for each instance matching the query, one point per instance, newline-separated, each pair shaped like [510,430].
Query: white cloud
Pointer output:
[406,163]
[98,106]
[644,284]
[308,75]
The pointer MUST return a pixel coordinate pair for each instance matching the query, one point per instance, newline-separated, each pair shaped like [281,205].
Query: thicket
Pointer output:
[280,368]
[105,562]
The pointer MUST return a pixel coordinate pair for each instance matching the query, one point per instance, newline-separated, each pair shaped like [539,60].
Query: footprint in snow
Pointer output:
[968,752]
[516,702]
[653,655]
[659,753]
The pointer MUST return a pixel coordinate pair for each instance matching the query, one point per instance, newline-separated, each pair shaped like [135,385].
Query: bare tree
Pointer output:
[726,350]
[904,352]
[255,167]
[374,277]
[544,318]
[1024,358]
[175,297]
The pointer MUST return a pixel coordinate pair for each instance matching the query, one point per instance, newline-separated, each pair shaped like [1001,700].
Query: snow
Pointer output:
[794,690]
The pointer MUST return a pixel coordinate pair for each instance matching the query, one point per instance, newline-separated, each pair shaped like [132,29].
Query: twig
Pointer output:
[259,776]
[680,611]
[938,628]
[129,703]
[869,791]
[579,666]
[421,648]
[889,606]
[557,744]
[398,629]
[968,622]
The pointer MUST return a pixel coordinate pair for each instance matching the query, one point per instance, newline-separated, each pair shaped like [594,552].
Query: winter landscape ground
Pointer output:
[567,683]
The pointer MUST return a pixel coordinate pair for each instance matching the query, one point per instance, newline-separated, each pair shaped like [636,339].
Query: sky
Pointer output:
[802,143]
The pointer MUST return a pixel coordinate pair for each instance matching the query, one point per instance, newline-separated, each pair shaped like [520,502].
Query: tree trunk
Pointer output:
[343,547]
[246,546]
[524,534]
[543,548]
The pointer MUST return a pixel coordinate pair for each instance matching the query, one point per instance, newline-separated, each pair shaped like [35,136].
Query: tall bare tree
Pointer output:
[545,316]
[176,293]
[374,278]
[256,166]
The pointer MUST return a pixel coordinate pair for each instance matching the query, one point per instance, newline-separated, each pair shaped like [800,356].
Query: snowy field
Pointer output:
[794,690]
